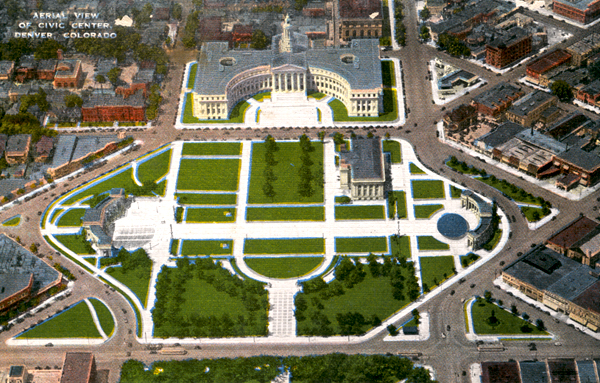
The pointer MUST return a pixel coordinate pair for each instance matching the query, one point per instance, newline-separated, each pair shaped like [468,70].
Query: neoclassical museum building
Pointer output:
[351,74]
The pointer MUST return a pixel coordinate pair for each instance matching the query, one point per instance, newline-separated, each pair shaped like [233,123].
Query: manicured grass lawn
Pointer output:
[426,211]
[469,259]
[236,116]
[160,190]
[307,213]
[414,169]
[428,189]
[390,109]
[361,245]
[286,172]
[154,168]
[55,214]
[529,213]
[388,76]
[261,96]
[317,95]
[359,212]
[71,218]
[212,149]
[427,242]
[210,215]
[283,267]
[90,260]
[14,221]
[434,268]
[285,246]
[122,180]
[510,190]
[507,323]
[343,199]
[206,198]
[75,322]
[400,246]
[493,242]
[174,247]
[75,243]
[393,147]
[192,76]
[396,204]
[455,192]
[104,316]
[138,280]
[207,247]
[411,323]
[214,175]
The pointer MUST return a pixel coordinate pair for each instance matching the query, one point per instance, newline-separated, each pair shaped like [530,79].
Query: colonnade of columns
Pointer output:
[289,82]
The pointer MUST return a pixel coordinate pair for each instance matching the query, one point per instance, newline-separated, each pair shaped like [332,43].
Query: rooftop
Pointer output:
[461,112]
[101,99]
[67,68]
[90,144]
[499,372]
[562,370]
[541,141]
[586,44]
[586,160]
[483,206]
[18,142]
[359,8]
[592,88]
[579,4]
[549,61]
[533,372]
[459,75]
[500,135]
[366,159]
[532,101]
[78,367]
[498,94]
[6,66]
[586,370]
[512,36]
[590,298]
[574,232]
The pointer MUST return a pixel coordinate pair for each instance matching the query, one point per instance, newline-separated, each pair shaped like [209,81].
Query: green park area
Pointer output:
[388,76]
[390,109]
[490,319]
[262,96]
[206,198]
[106,319]
[351,212]
[212,149]
[493,242]
[154,168]
[455,192]
[210,215]
[236,115]
[55,214]
[428,189]
[414,169]
[305,213]
[13,221]
[393,147]
[283,267]
[210,302]
[285,246]
[426,211]
[286,169]
[434,270]
[534,214]
[352,245]
[192,76]
[396,204]
[469,259]
[75,322]
[174,248]
[71,218]
[76,243]
[427,242]
[212,175]
[207,247]
[512,191]
[135,276]
[400,246]
[360,297]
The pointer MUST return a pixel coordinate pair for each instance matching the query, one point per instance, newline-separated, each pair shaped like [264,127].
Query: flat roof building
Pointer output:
[78,367]
[504,50]
[584,48]
[497,99]
[362,169]
[581,11]
[547,62]
[529,108]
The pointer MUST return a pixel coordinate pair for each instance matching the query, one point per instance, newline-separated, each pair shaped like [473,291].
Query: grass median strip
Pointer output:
[306,213]
[206,198]
[107,322]
[71,218]
[212,149]
[351,245]
[11,222]
[351,212]
[154,168]
[285,246]
[283,267]
[414,169]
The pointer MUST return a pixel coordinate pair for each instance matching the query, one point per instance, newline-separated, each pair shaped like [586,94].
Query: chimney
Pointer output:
[59,54]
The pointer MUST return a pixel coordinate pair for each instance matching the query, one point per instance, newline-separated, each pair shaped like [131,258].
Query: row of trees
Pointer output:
[192,24]
[170,291]
[270,162]
[305,188]
[400,27]
[452,45]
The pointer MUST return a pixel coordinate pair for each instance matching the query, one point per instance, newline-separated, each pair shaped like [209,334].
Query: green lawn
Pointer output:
[359,212]
[306,213]
[316,95]
[138,280]
[192,76]
[286,172]
[426,211]
[261,96]
[14,221]
[206,198]
[514,192]
[71,218]
[55,214]
[76,322]
[396,204]
[155,168]
[210,214]
[75,243]
[400,246]
[212,149]
[236,115]
[90,260]
[174,247]
[361,245]
[455,192]
[104,316]
[124,180]
[285,246]
[434,268]
[393,147]
[414,169]
[469,259]
[493,242]
[529,213]
[283,267]
[388,76]
[213,175]
[207,247]
[427,242]
[506,323]
[390,109]
[428,189]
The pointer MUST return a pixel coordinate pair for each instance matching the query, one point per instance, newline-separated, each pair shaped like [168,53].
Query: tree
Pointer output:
[513,309]
[72,100]
[424,33]
[424,13]
[259,40]
[540,325]
[177,11]
[100,79]
[487,295]
[392,330]
[34,249]
[113,75]
[535,216]
[562,90]
[269,191]
[48,49]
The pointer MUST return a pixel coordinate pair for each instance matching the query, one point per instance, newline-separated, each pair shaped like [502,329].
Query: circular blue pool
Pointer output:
[452,225]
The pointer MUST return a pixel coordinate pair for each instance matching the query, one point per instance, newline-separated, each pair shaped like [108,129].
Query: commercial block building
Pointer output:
[546,63]
[498,99]
[17,148]
[529,109]
[581,11]
[505,50]
[106,107]
[460,118]
[584,48]
[360,19]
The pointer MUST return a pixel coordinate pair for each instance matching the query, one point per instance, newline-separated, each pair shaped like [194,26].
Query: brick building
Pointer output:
[105,107]
[582,11]
[547,62]
[460,118]
[529,109]
[507,49]
[17,148]
[360,19]
[497,99]
[68,74]
[590,93]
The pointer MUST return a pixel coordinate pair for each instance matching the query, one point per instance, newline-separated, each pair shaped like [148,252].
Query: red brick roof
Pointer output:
[500,372]
[590,298]
[78,367]
[549,61]
[573,233]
